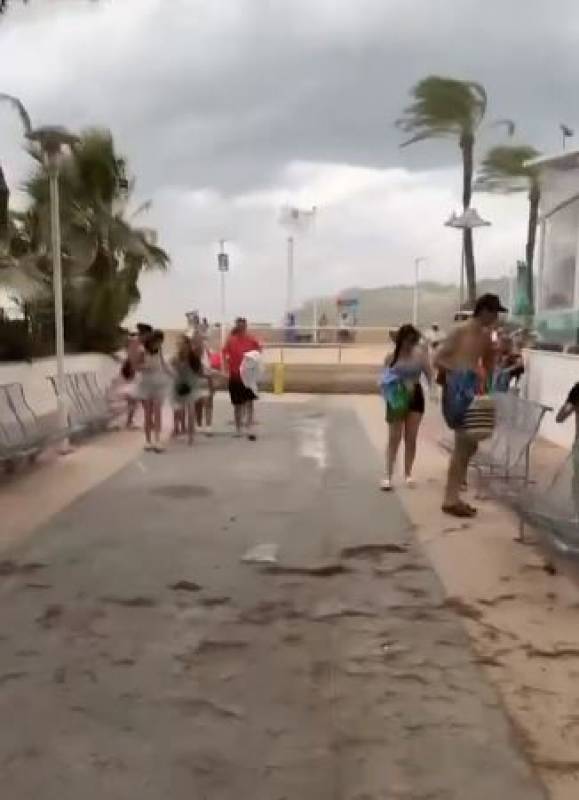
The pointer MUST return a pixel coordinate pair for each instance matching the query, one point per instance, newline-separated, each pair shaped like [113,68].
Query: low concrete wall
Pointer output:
[326,379]
[33,376]
[548,380]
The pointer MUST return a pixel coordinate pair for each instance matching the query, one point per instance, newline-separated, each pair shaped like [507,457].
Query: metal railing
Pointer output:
[324,354]
[503,462]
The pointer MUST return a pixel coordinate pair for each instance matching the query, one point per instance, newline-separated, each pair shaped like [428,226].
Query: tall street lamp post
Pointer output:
[417,262]
[469,219]
[51,140]
[223,267]
[296,220]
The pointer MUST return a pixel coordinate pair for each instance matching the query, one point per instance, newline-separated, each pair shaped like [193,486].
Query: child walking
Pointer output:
[204,402]
[187,373]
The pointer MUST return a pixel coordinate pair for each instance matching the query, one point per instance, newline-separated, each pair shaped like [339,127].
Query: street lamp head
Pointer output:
[296,219]
[469,219]
[51,139]
[472,219]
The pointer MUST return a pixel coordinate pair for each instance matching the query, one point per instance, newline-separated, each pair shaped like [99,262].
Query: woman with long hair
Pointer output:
[152,386]
[404,400]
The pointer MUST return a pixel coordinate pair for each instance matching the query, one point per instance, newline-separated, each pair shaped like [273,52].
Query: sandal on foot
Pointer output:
[460,510]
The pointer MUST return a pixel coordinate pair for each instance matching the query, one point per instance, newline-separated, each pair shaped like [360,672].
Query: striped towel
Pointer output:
[479,419]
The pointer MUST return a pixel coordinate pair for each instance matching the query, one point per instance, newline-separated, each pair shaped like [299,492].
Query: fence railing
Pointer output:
[324,334]
[320,353]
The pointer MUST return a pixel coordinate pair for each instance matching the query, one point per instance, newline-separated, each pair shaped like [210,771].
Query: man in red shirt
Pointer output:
[242,397]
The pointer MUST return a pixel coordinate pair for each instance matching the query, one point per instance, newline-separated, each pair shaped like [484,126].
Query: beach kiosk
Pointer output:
[553,367]
[557,284]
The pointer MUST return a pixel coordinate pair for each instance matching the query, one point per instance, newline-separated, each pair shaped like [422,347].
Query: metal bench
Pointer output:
[506,456]
[20,434]
[503,462]
[551,507]
[87,406]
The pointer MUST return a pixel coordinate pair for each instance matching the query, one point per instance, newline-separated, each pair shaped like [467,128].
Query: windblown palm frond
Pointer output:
[448,108]
[19,107]
[103,253]
[443,107]
[505,168]
[22,276]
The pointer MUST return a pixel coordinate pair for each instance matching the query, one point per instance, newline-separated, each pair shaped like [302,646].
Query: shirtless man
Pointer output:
[467,347]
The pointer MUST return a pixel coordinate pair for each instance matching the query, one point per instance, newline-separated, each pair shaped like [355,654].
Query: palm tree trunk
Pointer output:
[467,148]
[4,198]
[534,199]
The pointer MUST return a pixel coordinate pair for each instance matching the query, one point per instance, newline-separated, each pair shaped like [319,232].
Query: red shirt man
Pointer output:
[238,344]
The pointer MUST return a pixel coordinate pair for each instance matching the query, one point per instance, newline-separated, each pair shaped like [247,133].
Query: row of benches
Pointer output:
[23,435]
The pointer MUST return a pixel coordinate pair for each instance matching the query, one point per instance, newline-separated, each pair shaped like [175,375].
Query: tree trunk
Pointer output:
[534,199]
[4,198]
[467,148]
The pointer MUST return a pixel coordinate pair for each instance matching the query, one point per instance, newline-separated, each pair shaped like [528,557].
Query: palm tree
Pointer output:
[449,108]
[506,169]
[103,251]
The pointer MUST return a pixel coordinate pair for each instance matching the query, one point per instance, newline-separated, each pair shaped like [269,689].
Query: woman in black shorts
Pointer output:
[406,366]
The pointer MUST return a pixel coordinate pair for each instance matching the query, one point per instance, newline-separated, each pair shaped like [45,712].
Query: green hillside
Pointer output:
[392,305]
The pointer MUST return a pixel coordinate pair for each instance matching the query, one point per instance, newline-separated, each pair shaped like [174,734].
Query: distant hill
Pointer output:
[392,305]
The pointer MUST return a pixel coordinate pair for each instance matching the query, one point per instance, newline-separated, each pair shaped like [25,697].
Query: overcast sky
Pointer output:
[228,109]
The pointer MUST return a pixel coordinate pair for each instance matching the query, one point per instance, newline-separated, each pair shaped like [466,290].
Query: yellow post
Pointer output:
[278,378]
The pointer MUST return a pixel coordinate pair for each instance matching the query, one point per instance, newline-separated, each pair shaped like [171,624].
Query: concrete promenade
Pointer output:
[143,659]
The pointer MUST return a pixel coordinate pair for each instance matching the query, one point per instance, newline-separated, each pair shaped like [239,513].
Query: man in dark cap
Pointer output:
[460,358]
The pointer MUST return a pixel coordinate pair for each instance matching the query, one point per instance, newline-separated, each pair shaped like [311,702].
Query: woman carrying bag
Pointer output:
[404,399]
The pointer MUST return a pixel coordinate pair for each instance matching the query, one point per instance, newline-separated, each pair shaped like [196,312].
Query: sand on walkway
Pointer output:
[524,623]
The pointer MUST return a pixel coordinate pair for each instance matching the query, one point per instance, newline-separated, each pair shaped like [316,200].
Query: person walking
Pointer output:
[237,345]
[460,359]
[152,386]
[404,400]
[134,351]
[186,369]
[206,392]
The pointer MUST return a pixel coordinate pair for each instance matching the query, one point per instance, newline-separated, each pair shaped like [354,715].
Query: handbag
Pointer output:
[182,389]
[128,370]
[479,419]
[397,399]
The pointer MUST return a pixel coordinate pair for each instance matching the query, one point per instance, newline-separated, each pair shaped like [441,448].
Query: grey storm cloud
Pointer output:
[224,93]
[213,101]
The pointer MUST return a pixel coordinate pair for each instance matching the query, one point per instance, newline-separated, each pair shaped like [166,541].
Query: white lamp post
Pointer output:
[417,262]
[51,140]
[223,267]
[296,220]
[469,219]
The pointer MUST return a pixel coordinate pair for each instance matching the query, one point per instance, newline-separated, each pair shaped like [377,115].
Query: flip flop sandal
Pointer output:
[460,510]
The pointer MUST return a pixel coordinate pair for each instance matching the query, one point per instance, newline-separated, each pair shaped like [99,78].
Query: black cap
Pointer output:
[489,302]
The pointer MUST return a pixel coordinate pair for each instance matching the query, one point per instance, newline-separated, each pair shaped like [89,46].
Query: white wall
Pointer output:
[549,378]
[38,389]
